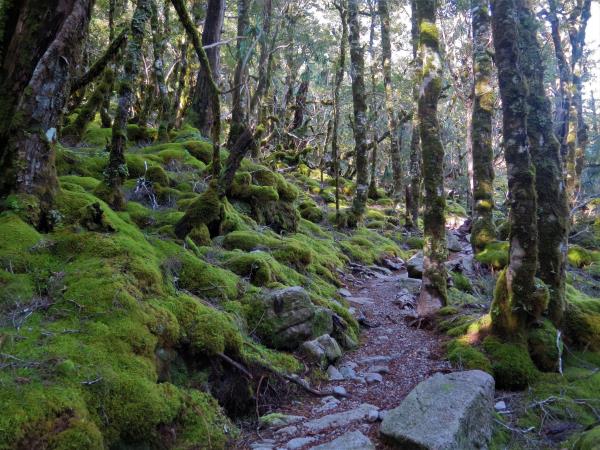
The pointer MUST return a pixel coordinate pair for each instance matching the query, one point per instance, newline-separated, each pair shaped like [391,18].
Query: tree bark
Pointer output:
[483,230]
[413,191]
[552,211]
[386,61]
[116,172]
[239,114]
[515,288]
[433,289]
[361,145]
[201,114]
[38,48]
[158,46]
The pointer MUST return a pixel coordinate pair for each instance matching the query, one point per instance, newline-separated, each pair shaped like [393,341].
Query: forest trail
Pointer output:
[394,355]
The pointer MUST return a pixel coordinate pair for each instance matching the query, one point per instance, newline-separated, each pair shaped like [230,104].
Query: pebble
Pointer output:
[372,378]
[381,368]
[339,390]
[500,406]
[345,293]
[373,416]
[334,374]
[348,372]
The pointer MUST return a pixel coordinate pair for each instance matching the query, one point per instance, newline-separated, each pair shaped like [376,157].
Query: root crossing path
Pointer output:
[393,357]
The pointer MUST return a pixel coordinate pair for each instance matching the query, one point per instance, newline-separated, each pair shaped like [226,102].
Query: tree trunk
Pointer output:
[201,114]
[386,61]
[215,100]
[39,45]
[552,211]
[239,116]
[361,144]
[483,230]
[339,77]
[433,289]
[372,192]
[413,192]
[116,172]
[515,288]
[158,46]
[175,115]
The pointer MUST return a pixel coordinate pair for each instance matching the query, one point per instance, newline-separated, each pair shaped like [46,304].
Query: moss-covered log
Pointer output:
[433,290]
[516,288]
[359,101]
[483,229]
[552,212]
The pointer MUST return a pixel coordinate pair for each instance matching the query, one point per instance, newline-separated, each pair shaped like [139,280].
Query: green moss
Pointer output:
[580,257]
[206,280]
[257,266]
[582,320]
[495,254]
[87,183]
[544,348]
[467,357]
[414,242]
[461,282]
[135,133]
[158,175]
[511,364]
[201,150]
[249,240]
[589,440]
[200,235]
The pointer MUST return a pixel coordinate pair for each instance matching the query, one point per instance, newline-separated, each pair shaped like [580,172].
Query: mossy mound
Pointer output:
[495,254]
[511,364]
[467,357]
[369,247]
[582,320]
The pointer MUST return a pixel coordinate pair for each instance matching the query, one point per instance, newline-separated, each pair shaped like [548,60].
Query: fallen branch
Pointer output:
[236,364]
[304,385]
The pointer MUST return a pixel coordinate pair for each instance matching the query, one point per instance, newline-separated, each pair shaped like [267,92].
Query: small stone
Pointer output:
[382,338]
[278,420]
[379,369]
[331,347]
[347,372]
[375,359]
[372,378]
[500,406]
[360,300]
[334,374]
[373,416]
[340,391]
[300,442]
[292,429]
[345,292]
[393,264]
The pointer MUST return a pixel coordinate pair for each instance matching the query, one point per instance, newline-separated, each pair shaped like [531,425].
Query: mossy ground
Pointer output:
[112,325]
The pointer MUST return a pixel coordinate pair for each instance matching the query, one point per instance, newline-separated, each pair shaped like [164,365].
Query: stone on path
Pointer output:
[344,292]
[353,440]
[444,412]
[453,243]
[363,301]
[300,442]
[334,374]
[322,350]
[372,378]
[380,368]
[340,419]
[278,420]
[375,359]
[415,265]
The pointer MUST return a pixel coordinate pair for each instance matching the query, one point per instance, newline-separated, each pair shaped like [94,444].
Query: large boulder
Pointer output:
[444,412]
[290,318]
[415,265]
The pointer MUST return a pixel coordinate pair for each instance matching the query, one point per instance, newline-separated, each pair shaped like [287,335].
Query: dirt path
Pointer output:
[392,358]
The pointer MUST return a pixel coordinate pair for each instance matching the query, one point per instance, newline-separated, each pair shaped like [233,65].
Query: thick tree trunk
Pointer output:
[116,172]
[215,100]
[386,61]
[339,77]
[483,230]
[372,192]
[552,212]
[158,46]
[361,144]
[433,289]
[239,114]
[413,191]
[38,48]
[200,112]
[515,288]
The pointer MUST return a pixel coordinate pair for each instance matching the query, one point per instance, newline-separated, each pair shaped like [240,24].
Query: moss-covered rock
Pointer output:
[511,364]
[467,357]
[545,346]
[495,254]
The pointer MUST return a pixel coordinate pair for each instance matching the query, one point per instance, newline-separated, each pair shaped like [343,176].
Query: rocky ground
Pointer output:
[394,356]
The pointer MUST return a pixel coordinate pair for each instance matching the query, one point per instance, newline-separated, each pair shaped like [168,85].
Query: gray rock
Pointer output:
[278,420]
[314,352]
[340,391]
[375,359]
[500,406]
[299,442]
[458,406]
[393,264]
[381,368]
[292,429]
[347,372]
[334,374]
[327,403]
[415,265]
[360,300]
[340,419]
[344,292]
[331,347]
[373,416]
[353,440]
[289,314]
[453,243]
[412,285]
[381,270]
[372,378]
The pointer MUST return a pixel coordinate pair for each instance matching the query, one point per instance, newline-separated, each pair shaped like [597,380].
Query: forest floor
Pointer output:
[394,355]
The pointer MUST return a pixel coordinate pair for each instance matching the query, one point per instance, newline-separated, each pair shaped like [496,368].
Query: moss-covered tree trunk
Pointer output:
[116,172]
[215,100]
[200,112]
[40,42]
[239,113]
[359,100]
[413,190]
[515,288]
[386,61]
[182,69]
[339,77]
[372,192]
[552,212]
[433,289]
[483,230]
[158,46]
